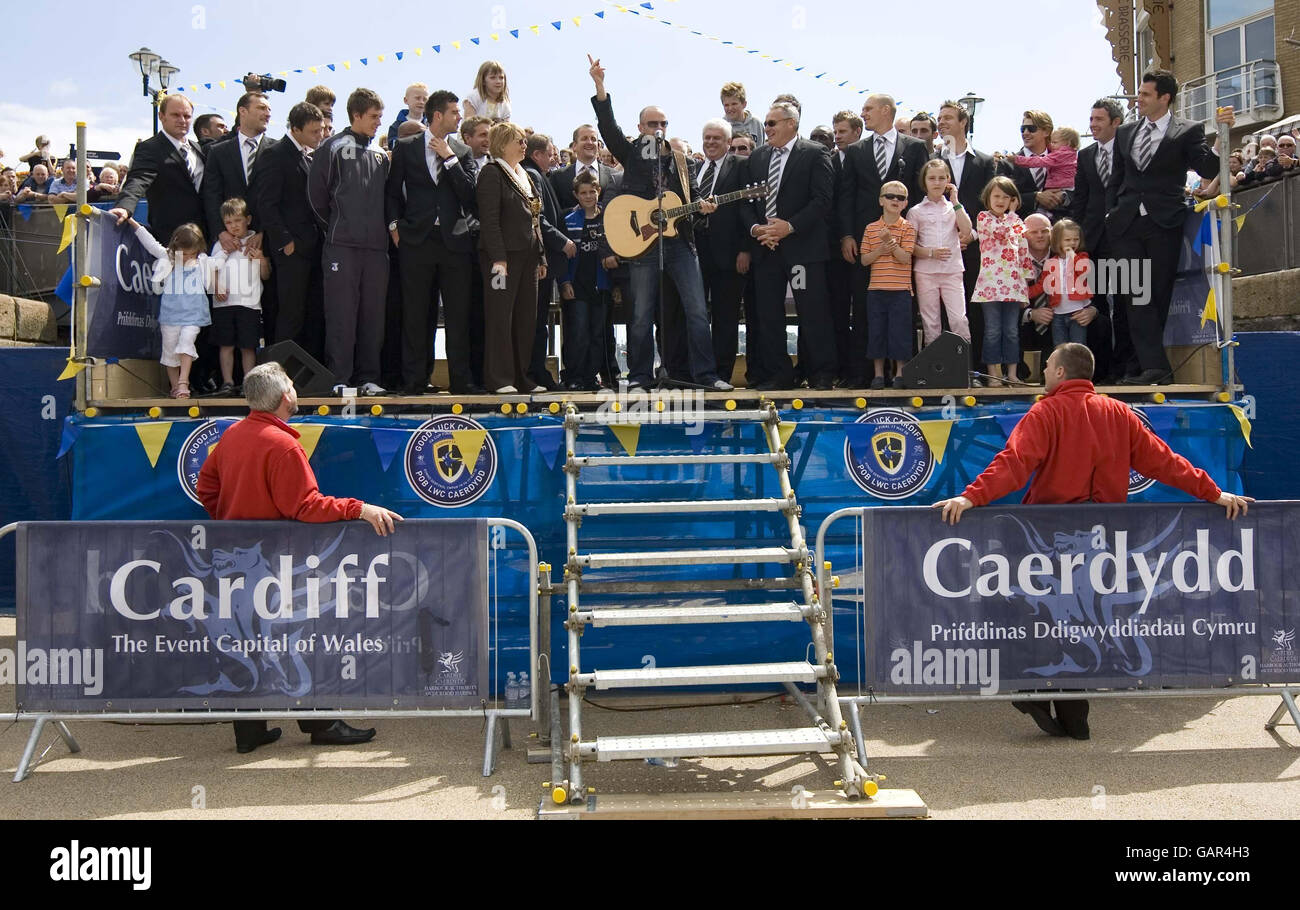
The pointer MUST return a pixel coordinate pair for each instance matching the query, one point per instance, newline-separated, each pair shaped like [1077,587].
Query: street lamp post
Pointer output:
[972,103]
[151,64]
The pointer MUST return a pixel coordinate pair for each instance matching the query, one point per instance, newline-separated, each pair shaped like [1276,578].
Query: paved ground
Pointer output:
[1169,758]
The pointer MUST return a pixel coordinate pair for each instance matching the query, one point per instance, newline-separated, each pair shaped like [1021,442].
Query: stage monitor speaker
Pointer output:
[944,364]
[309,375]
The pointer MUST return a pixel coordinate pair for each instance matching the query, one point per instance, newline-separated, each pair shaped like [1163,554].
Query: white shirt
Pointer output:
[956,161]
[1158,134]
[241,277]
[481,163]
[246,153]
[192,158]
[579,168]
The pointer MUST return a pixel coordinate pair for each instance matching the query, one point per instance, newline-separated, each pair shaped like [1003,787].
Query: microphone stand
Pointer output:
[659,183]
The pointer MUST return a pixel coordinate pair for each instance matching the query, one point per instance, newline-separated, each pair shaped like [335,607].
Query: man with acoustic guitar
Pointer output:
[644,159]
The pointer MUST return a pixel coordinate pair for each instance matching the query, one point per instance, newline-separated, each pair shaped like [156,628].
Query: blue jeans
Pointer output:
[683,270]
[1001,332]
[1064,329]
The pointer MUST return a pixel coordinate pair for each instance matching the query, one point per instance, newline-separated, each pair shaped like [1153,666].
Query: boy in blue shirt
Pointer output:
[585,290]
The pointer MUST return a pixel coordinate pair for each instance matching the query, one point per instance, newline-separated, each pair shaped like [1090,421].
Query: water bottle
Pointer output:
[525,691]
[512,690]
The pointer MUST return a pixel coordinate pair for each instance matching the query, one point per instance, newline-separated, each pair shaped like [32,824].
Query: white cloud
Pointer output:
[64,88]
[108,128]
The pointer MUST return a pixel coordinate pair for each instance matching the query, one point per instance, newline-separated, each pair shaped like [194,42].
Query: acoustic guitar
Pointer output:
[632,223]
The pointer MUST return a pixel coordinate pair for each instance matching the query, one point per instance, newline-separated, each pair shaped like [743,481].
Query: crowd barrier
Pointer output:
[1269,238]
[1073,601]
[32,264]
[157,622]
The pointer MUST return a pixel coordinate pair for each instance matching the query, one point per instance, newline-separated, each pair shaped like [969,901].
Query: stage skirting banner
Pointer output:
[512,467]
[175,615]
[1081,597]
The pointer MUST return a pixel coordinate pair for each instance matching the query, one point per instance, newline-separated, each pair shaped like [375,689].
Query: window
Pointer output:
[1219,13]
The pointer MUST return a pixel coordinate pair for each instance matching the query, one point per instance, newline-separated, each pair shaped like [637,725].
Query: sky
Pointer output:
[921,55]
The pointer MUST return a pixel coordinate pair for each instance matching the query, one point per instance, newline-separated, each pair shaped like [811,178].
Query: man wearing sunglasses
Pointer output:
[791,246]
[644,159]
[1035,129]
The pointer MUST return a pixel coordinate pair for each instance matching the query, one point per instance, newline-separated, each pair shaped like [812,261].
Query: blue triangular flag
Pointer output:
[646,6]
[331,66]
[548,441]
[207,85]
[25,211]
[297,71]
[437,48]
[557,24]
[600,15]
[475,40]
[1206,236]
[1007,422]
[1163,418]
[514,32]
[860,437]
[387,442]
[64,290]
[71,430]
[365,61]
[398,54]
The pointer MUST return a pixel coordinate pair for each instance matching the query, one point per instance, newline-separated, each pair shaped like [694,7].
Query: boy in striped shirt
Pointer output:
[887,247]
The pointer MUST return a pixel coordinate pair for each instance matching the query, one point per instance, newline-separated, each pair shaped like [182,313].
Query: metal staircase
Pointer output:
[828,732]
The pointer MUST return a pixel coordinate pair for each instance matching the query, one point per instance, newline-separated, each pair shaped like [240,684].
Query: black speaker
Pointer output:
[945,364]
[309,375]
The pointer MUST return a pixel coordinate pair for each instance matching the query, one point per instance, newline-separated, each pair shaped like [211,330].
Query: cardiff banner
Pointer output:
[1081,597]
[275,615]
[123,310]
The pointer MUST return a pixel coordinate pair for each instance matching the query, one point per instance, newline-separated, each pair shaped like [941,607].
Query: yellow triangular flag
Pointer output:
[419,52]
[153,436]
[71,370]
[534,28]
[456,44]
[69,231]
[60,210]
[222,84]
[470,443]
[496,37]
[628,436]
[309,434]
[313,69]
[936,433]
[783,432]
[1240,219]
[1210,311]
[380,58]
[577,20]
[347,64]
[1244,421]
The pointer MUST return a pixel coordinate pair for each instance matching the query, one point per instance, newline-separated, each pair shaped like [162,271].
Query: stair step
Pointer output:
[696,745]
[722,675]
[668,508]
[654,616]
[598,461]
[687,558]
[650,416]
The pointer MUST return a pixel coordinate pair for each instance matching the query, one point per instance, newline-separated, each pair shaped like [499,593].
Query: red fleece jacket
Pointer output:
[258,471]
[1079,446]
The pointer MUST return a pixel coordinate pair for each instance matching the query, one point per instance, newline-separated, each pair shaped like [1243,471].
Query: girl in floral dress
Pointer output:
[1001,287]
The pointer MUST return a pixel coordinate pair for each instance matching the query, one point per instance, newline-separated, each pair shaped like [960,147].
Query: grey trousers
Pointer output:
[356,289]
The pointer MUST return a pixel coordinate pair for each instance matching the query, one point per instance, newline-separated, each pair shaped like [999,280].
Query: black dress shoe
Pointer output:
[775,386]
[1072,715]
[1148,377]
[470,389]
[822,383]
[340,734]
[1041,712]
[265,739]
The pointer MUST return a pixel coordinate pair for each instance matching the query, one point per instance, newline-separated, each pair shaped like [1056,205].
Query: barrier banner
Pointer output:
[123,321]
[275,615]
[1081,597]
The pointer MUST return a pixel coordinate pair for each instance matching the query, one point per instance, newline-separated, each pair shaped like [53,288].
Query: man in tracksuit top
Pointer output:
[346,189]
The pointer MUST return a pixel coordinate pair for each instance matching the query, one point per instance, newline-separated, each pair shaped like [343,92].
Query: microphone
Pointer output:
[659,134]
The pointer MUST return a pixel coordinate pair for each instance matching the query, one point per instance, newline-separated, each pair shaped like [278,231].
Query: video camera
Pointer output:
[255,83]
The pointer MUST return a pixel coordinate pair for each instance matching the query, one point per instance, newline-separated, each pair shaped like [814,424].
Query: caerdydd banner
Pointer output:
[168,615]
[123,310]
[1081,597]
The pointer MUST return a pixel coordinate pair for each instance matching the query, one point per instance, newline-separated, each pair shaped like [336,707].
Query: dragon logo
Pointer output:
[449,661]
[1283,638]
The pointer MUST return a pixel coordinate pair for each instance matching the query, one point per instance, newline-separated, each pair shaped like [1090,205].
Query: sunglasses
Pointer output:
[893,197]
[658,123]
[1029,128]
[771,123]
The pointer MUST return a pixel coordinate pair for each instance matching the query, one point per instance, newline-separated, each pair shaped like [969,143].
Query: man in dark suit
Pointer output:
[1147,213]
[1035,130]
[585,149]
[846,128]
[724,252]
[431,204]
[230,165]
[791,245]
[208,128]
[291,232]
[539,156]
[1114,356]
[971,172]
[869,164]
[166,170]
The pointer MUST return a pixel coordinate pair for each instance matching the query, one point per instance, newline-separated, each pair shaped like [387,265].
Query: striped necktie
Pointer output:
[1103,166]
[1040,177]
[882,160]
[252,157]
[773,182]
[710,177]
[1142,150]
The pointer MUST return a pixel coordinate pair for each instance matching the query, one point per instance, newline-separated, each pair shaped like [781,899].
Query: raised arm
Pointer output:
[615,141]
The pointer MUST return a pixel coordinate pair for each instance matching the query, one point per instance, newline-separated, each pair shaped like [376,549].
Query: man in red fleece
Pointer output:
[259,472]
[1079,447]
